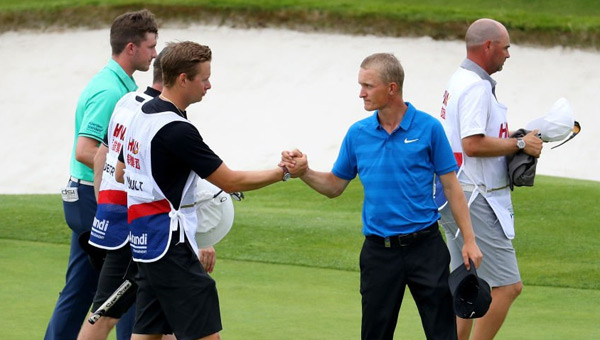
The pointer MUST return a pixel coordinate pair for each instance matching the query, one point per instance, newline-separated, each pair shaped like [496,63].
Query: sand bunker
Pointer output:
[274,90]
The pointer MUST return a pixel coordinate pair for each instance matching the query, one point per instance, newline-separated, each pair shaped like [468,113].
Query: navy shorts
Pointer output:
[117,267]
[175,295]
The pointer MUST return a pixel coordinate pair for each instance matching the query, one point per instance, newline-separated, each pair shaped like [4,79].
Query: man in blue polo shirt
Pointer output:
[133,42]
[396,152]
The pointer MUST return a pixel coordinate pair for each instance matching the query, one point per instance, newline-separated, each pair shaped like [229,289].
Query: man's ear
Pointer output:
[182,79]
[487,44]
[393,88]
[130,48]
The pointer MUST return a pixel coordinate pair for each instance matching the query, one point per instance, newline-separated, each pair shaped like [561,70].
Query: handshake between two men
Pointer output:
[325,183]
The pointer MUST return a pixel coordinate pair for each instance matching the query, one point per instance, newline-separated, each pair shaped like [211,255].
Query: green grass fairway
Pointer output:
[276,302]
[289,267]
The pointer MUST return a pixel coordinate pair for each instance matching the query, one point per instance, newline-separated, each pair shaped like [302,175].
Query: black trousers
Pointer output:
[423,266]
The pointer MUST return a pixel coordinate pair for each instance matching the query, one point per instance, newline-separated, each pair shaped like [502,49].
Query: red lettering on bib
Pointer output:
[503,130]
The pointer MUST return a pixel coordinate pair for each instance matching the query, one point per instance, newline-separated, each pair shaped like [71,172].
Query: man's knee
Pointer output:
[510,292]
[517,289]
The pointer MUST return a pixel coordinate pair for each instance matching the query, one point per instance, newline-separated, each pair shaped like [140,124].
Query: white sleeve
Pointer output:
[474,109]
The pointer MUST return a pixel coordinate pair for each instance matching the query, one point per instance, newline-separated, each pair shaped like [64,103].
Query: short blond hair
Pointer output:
[389,67]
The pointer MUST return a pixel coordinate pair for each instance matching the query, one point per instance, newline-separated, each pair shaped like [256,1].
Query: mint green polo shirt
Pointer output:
[95,107]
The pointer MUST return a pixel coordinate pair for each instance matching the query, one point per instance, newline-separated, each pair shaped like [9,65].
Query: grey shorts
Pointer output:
[499,265]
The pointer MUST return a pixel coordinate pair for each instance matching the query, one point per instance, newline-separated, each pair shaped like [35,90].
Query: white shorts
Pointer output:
[499,265]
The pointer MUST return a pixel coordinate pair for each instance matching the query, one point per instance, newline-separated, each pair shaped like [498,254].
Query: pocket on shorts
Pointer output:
[70,194]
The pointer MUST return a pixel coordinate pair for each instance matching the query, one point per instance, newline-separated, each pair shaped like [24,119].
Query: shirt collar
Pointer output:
[152,92]
[407,120]
[468,64]
[127,81]
[166,105]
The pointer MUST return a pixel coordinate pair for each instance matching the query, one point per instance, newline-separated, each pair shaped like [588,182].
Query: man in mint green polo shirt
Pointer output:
[93,113]
[133,41]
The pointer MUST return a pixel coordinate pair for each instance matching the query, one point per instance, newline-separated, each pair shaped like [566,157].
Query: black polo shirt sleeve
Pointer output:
[181,144]
[178,148]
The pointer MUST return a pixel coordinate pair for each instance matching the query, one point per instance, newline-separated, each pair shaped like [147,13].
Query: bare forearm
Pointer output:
[120,172]
[252,180]
[325,183]
[458,205]
[231,181]
[485,146]
[460,212]
[99,161]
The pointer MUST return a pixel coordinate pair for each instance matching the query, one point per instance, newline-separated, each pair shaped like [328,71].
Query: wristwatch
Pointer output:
[520,143]
[286,173]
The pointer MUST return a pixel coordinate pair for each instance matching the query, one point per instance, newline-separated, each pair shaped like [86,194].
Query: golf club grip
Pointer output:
[110,301]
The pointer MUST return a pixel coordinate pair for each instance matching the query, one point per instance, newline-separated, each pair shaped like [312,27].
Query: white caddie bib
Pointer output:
[151,216]
[480,113]
[110,229]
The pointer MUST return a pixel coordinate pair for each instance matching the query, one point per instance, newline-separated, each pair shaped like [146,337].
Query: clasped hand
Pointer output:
[295,161]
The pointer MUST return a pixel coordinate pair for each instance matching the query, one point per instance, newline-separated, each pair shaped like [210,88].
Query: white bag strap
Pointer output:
[474,194]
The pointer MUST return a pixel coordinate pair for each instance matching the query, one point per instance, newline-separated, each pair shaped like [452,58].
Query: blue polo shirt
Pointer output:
[94,108]
[396,171]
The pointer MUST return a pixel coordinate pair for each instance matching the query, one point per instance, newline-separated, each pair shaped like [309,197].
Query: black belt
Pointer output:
[403,240]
